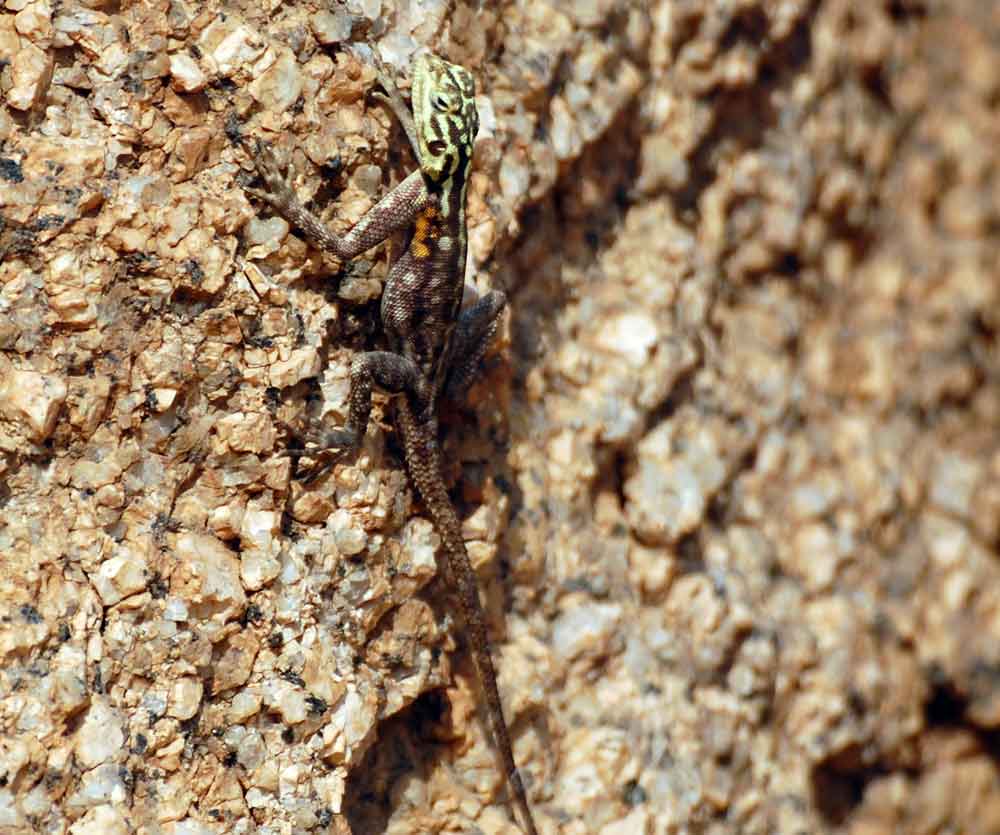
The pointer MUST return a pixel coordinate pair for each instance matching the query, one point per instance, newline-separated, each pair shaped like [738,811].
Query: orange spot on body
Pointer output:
[424,230]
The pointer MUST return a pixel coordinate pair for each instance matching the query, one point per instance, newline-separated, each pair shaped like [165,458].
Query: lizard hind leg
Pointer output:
[391,372]
[473,333]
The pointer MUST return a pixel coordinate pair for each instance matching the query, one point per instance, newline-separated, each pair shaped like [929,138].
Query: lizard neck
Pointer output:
[453,194]
[439,234]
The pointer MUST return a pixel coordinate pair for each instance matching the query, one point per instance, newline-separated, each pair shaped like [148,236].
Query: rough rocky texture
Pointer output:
[731,480]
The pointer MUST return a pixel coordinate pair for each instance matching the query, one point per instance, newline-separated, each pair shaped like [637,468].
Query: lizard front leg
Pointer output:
[393,99]
[394,212]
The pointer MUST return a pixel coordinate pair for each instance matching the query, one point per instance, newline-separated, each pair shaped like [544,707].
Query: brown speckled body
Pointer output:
[433,347]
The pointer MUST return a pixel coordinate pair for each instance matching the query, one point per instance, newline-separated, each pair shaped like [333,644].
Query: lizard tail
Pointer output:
[423,459]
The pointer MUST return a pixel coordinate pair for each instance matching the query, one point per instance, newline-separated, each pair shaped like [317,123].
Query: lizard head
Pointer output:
[444,111]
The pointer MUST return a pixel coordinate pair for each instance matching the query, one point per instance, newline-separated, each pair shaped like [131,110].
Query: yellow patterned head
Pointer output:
[444,111]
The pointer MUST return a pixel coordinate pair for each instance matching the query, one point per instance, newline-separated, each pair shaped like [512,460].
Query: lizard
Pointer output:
[434,347]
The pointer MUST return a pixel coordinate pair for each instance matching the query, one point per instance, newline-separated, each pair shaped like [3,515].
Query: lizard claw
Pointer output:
[277,189]
[382,75]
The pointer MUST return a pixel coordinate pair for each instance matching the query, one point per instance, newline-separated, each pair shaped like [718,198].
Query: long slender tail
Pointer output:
[424,461]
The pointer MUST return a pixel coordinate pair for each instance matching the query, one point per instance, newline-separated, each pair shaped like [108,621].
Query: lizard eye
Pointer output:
[436,147]
[440,102]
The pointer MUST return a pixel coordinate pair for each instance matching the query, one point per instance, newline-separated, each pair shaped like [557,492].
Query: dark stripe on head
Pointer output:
[454,78]
[447,164]
[456,140]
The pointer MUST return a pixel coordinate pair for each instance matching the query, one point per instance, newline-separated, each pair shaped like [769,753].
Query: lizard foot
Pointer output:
[277,189]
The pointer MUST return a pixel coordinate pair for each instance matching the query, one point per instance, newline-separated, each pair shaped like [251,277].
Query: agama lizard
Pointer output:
[433,348]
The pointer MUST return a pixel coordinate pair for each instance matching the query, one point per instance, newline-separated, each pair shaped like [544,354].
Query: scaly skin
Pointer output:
[433,348]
